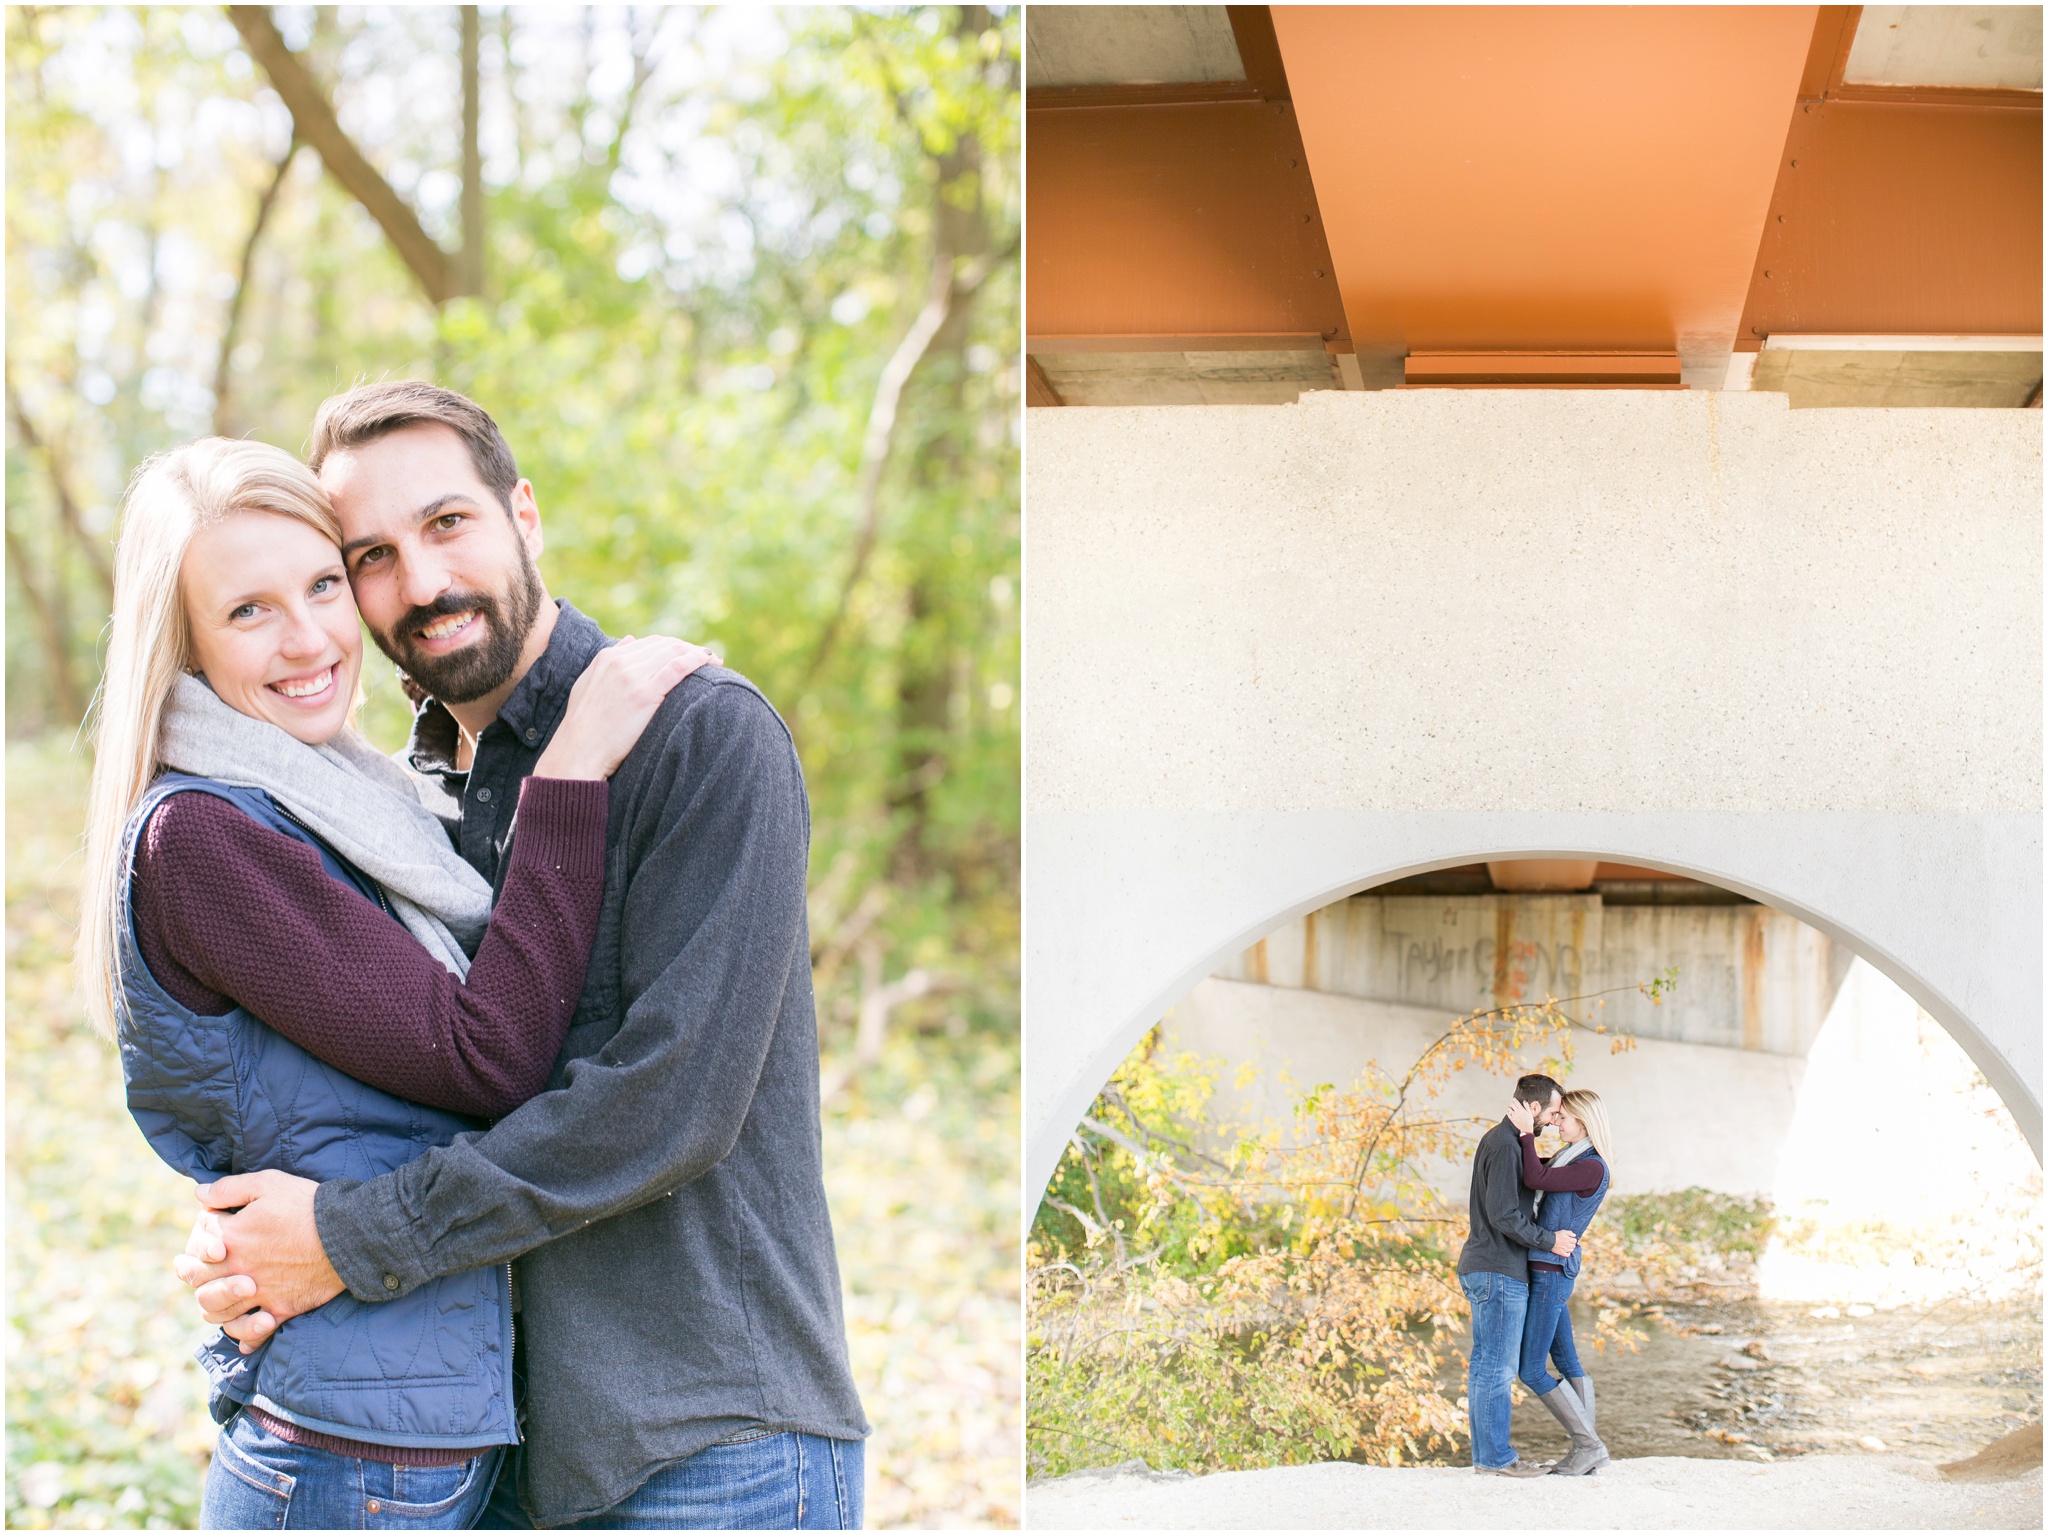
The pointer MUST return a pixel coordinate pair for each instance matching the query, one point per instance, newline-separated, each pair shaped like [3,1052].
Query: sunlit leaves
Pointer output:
[1217,1297]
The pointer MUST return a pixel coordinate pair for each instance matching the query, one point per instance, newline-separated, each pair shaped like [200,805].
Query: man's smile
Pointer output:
[447,626]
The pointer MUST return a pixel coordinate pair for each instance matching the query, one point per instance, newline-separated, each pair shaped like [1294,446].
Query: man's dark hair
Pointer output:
[368,411]
[1536,1088]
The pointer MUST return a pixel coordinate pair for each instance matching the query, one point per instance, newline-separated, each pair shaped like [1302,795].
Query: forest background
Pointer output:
[740,286]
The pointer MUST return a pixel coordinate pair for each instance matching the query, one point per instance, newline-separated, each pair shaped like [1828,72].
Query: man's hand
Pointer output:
[254,1257]
[1564,1244]
[1522,1116]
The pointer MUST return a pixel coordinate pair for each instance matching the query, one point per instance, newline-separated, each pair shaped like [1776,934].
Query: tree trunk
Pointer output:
[926,665]
[956,232]
[52,628]
[472,158]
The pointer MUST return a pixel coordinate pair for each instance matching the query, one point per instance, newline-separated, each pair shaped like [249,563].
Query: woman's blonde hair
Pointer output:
[172,496]
[1584,1105]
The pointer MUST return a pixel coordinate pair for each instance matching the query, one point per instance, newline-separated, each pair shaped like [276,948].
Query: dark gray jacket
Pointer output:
[665,1196]
[1503,1223]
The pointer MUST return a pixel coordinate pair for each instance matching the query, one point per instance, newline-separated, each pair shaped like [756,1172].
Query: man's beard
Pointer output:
[462,676]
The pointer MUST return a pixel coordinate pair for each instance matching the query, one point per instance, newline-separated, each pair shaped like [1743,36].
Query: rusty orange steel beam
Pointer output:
[1180,222]
[1174,220]
[1899,211]
[1562,369]
[1286,341]
[1543,177]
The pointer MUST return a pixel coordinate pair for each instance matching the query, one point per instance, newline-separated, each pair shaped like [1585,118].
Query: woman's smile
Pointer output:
[309,689]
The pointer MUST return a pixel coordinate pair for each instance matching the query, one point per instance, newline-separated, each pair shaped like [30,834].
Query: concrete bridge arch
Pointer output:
[1948,908]
[1283,654]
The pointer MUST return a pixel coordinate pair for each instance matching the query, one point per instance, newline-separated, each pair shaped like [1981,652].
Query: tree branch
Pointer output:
[876,1004]
[50,624]
[67,507]
[643,68]
[223,374]
[314,121]
[948,290]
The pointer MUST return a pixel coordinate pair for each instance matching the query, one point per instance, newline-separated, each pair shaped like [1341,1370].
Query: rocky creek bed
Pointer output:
[1761,1381]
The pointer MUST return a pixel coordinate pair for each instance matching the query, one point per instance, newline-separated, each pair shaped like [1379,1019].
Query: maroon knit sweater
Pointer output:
[227,912]
[231,912]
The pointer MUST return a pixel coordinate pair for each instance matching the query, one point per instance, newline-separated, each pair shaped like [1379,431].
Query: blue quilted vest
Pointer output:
[227,1094]
[1570,1212]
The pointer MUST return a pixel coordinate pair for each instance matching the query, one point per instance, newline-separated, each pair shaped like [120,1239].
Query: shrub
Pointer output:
[1211,1298]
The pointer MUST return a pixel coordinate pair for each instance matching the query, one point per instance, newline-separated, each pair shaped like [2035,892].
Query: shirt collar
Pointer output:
[535,705]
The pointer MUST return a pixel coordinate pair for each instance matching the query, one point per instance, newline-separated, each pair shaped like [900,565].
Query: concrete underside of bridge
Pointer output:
[1282,654]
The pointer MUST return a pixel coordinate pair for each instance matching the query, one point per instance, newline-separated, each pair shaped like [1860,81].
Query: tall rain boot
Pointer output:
[1588,1454]
[1583,1384]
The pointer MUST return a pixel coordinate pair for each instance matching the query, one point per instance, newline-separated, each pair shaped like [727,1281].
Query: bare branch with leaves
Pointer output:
[1299,1297]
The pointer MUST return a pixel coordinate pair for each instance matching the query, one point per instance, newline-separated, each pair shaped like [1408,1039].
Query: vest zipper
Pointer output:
[511,1356]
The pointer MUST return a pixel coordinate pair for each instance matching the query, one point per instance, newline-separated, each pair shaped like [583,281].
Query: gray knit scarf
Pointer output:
[353,798]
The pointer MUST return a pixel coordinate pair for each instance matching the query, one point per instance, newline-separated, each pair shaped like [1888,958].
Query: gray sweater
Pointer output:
[1503,1223]
[665,1196]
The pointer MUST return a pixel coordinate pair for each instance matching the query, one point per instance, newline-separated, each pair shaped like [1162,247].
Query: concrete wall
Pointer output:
[1836,1138]
[1748,977]
[1684,1116]
[1278,655]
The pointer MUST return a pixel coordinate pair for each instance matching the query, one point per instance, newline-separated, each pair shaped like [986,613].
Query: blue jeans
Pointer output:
[1498,1307]
[259,1482]
[763,1481]
[1547,1331]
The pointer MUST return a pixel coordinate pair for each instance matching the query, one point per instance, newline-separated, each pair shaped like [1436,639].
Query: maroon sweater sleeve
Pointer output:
[1576,1177]
[231,912]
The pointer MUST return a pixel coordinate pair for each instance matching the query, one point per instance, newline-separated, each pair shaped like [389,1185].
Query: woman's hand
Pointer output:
[1522,1116]
[612,702]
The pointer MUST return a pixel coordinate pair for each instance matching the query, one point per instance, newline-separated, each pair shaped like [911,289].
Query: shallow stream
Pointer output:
[1757,1380]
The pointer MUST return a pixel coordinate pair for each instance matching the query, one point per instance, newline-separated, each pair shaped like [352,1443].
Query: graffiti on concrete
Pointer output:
[1749,977]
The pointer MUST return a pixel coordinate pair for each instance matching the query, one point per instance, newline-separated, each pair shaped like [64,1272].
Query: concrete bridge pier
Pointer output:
[1280,654]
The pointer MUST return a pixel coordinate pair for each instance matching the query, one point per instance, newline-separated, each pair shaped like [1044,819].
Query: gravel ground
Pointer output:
[1820,1492]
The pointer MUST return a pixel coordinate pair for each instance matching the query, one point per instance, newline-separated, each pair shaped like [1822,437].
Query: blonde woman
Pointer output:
[1569,1189]
[303,974]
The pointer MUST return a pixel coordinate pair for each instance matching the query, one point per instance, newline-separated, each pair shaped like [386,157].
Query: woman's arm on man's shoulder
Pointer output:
[1580,1176]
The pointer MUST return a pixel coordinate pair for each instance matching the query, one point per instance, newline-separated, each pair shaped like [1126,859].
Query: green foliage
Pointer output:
[693,287]
[1161,1381]
[1723,1223]
[1103,1197]
[1214,1297]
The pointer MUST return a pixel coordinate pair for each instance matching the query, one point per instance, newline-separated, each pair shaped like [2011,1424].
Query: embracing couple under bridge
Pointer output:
[1518,1267]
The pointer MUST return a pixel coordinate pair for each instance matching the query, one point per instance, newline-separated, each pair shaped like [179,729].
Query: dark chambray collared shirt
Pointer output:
[665,1196]
[476,806]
